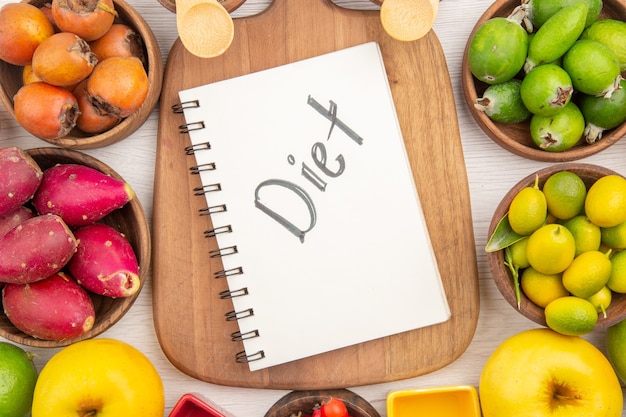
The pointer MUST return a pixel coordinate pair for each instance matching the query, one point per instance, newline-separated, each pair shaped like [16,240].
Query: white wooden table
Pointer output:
[491,171]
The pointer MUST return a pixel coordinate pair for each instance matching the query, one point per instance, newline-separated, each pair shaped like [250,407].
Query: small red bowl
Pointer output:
[191,406]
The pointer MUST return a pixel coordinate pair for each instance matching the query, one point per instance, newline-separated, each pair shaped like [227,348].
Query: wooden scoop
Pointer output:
[205,27]
[408,20]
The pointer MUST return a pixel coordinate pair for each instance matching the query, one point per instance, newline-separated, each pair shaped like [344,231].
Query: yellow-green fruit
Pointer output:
[614,237]
[557,35]
[528,211]
[540,288]
[605,204]
[586,234]
[565,194]
[616,348]
[18,377]
[617,279]
[612,33]
[601,300]
[497,50]
[542,10]
[593,67]
[551,249]
[587,274]
[571,316]
[518,253]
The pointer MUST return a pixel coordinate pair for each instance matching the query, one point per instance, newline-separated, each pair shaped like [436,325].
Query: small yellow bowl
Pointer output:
[458,400]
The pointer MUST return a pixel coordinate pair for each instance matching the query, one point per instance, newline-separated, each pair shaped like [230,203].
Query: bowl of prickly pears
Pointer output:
[74,246]
[544,79]
[556,247]
[78,74]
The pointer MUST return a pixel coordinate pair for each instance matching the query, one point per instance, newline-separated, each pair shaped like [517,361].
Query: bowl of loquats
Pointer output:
[115,74]
[518,265]
[79,303]
[591,124]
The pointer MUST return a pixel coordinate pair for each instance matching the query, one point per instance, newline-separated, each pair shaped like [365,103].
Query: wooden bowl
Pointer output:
[502,276]
[516,137]
[305,401]
[130,220]
[11,81]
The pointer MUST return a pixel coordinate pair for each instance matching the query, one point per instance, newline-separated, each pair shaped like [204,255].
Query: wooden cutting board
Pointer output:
[188,314]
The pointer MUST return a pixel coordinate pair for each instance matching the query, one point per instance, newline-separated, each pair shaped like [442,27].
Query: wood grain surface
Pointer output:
[188,314]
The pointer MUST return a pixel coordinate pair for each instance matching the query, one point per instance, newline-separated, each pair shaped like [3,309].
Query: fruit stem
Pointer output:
[482,104]
[107,9]
[592,133]
[508,261]
[536,185]
[616,86]
[520,15]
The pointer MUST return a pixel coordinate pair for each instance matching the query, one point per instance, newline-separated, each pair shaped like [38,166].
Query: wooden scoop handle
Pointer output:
[408,20]
[205,27]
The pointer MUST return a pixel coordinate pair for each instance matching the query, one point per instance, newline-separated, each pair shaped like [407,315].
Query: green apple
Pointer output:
[542,373]
[98,378]
[616,348]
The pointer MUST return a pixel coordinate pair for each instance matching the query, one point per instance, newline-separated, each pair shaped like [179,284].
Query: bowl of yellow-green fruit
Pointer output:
[536,91]
[556,247]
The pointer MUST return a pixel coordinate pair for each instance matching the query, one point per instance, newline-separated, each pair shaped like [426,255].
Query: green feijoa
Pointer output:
[541,10]
[503,102]
[593,68]
[603,113]
[497,50]
[612,33]
[560,132]
[557,35]
[546,90]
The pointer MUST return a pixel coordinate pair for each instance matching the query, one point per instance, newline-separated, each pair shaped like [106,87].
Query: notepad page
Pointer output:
[324,211]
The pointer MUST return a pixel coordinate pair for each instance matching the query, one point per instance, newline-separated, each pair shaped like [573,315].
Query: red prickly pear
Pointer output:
[105,262]
[35,249]
[55,308]
[79,194]
[21,176]
[10,220]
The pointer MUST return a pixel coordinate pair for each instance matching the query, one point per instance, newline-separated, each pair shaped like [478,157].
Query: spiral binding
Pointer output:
[225,273]
[207,211]
[188,127]
[238,315]
[238,336]
[197,169]
[207,188]
[180,107]
[216,231]
[224,295]
[192,149]
[240,357]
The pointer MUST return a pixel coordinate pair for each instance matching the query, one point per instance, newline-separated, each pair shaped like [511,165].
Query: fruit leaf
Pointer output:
[508,261]
[503,236]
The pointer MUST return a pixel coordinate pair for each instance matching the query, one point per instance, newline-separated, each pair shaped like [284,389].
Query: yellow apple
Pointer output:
[542,373]
[99,378]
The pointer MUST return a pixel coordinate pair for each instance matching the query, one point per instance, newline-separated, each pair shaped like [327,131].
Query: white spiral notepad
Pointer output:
[314,206]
